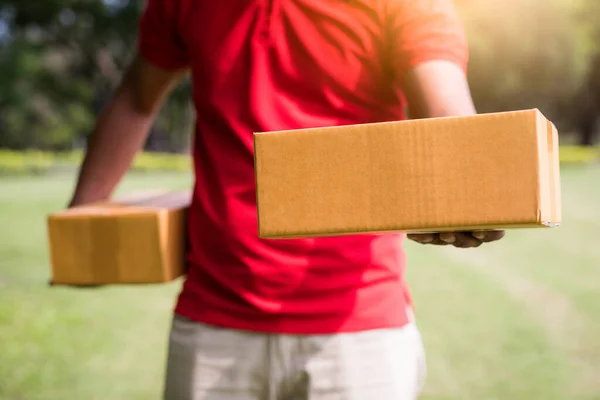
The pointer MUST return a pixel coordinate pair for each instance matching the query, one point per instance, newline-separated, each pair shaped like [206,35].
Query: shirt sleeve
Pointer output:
[425,30]
[158,38]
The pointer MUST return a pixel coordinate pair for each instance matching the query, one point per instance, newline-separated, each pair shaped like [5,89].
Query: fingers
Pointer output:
[457,239]
[427,238]
[460,239]
[488,236]
[423,238]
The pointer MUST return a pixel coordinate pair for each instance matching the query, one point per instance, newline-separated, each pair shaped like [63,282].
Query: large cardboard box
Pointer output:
[139,239]
[488,171]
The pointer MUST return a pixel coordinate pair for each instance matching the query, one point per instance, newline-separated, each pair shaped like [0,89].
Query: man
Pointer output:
[326,318]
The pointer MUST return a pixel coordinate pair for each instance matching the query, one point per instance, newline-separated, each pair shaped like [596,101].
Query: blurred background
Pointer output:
[516,320]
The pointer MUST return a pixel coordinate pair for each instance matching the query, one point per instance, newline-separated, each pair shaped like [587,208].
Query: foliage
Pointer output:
[149,162]
[39,162]
[31,162]
[526,54]
[579,155]
[61,59]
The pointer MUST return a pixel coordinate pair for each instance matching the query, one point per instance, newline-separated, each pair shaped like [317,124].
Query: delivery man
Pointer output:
[326,318]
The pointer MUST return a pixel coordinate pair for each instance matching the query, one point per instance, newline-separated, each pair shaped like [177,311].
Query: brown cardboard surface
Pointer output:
[488,171]
[139,239]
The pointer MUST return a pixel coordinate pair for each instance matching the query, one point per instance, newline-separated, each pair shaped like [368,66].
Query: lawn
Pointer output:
[519,319]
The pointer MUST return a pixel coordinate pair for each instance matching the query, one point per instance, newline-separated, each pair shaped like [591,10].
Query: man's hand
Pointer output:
[462,240]
[440,89]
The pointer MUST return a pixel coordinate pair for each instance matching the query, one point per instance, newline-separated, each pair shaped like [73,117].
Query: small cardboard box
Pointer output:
[140,239]
[488,171]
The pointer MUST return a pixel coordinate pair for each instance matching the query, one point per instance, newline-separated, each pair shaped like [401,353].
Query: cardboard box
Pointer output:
[139,239]
[488,171]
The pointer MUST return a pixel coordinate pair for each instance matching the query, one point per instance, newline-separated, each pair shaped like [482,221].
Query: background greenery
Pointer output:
[42,162]
[60,59]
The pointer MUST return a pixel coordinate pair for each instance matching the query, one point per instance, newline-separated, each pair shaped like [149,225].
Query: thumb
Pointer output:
[423,238]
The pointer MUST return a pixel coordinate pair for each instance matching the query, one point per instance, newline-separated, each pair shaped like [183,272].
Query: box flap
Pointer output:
[554,172]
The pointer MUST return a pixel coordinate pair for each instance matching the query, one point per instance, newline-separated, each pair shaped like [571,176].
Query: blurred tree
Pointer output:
[524,54]
[586,109]
[60,60]
[536,54]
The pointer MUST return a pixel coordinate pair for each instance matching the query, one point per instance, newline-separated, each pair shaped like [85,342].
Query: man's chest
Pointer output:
[304,46]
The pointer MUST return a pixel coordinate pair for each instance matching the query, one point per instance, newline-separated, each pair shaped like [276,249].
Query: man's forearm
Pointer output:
[119,134]
[122,129]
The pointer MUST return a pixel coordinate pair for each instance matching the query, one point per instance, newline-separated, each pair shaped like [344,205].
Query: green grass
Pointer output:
[516,320]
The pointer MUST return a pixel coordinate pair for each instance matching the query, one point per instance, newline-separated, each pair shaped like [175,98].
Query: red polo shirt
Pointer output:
[262,65]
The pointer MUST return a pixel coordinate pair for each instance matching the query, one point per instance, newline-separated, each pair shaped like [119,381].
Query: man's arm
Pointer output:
[437,89]
[440,89]
[122,129]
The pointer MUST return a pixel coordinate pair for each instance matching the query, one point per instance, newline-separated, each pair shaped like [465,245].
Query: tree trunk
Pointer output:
[589,132]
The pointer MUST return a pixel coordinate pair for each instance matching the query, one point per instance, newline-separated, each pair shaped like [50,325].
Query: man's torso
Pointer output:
[273,65]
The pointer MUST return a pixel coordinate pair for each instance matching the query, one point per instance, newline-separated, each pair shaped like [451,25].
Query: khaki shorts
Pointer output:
[211,363]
